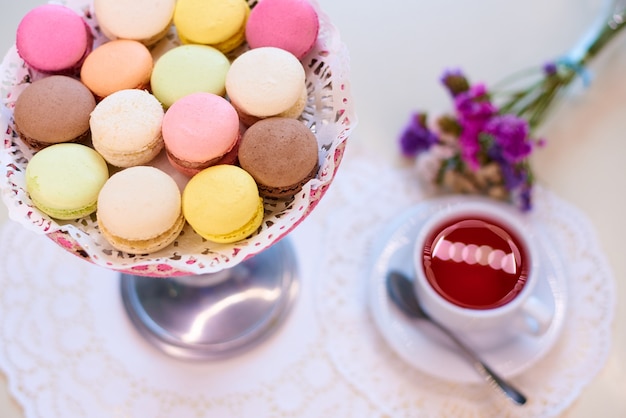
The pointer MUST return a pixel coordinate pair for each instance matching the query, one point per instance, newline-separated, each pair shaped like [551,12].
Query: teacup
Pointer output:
[476,269]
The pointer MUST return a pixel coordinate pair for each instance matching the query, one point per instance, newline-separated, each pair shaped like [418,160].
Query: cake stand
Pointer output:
[196,299]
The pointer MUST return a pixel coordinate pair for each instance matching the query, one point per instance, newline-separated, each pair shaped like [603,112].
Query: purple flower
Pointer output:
[416,137]
[474,104]
[474,111]
[525,197]
[510,133]
[514,177]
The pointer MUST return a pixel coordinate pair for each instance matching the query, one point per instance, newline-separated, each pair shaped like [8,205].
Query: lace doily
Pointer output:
[329,114]
[363,205]
[69,351]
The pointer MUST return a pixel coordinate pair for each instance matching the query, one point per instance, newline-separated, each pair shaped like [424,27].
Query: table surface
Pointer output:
[398,51]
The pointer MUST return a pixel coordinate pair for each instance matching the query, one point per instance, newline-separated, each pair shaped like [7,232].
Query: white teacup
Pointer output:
[476,270]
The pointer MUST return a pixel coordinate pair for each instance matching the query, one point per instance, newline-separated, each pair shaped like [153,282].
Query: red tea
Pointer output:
[475,263]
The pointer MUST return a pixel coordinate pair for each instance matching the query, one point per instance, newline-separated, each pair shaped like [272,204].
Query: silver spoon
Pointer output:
[400,289]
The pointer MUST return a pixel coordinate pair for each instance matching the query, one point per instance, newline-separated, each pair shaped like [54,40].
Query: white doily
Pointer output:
[68,349]
[365,201]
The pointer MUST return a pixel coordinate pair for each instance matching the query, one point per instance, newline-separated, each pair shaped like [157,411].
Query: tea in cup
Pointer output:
[476,269]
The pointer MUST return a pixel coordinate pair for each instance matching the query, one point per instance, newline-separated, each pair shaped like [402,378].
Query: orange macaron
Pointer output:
[117,65]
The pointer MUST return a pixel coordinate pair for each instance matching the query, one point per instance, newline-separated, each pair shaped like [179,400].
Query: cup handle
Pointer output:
[536,316]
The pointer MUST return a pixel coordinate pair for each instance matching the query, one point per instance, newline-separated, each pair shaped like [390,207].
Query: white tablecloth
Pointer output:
[69,350]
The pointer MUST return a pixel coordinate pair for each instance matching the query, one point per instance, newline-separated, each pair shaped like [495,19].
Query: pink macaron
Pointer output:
[53,39]
[292,25]
[201,130]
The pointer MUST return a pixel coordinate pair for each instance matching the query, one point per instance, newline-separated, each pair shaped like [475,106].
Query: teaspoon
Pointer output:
[400,289]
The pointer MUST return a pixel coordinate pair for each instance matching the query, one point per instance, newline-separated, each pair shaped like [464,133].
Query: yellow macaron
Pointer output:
[218,23]
[222,204]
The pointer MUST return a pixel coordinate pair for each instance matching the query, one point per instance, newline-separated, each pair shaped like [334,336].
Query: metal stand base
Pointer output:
[214,315]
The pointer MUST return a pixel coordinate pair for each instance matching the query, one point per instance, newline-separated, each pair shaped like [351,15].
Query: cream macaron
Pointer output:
[266,82]
[146,21]
[140,210]
[126,127]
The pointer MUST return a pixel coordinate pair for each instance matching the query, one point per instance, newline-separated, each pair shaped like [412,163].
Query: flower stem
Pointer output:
[613,26]
[533,102]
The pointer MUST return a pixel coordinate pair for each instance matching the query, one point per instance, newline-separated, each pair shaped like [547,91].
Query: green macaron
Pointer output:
[189,69]
[64,180]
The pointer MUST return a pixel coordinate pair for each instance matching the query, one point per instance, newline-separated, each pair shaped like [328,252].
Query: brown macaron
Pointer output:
[53,110]
[281,154]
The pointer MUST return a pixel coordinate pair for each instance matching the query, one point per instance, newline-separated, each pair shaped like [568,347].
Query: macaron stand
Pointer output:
[228,295]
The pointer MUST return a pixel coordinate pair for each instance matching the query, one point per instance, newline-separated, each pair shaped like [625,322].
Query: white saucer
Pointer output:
[424,347]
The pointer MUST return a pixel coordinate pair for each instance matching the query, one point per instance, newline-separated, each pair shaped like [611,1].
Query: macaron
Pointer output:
[281,154]
[139,210]
[200,130]
[53,110]
[218,23]
[145,21]
[292,25]
[222,204]
[126,128]
[64,180]
[117,65]
[53,39]
[265,82]
[188,69]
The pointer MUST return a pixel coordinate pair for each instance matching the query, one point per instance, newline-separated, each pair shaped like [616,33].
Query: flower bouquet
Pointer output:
[484,146]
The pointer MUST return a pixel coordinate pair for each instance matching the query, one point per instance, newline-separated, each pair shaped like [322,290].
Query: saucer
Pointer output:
[423,346]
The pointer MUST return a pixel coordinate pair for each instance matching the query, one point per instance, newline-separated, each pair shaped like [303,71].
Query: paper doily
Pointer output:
[364,358]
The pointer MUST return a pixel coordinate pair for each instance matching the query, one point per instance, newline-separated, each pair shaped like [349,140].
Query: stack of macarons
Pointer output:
[224,107]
